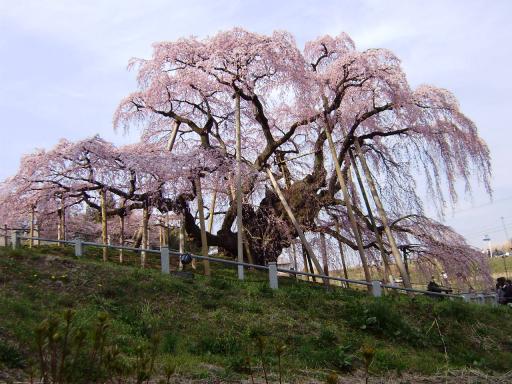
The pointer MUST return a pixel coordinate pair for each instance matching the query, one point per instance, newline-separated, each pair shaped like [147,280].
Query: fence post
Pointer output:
[376,288]
[15,240]
[272,275]
[480,299]
[164,259]
[79,248]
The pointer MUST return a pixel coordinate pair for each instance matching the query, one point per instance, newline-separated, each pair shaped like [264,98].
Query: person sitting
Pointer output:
[500,289]
[507,292]
[434,287]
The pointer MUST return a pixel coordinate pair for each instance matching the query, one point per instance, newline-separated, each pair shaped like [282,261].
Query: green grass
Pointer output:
[501,265]
[210,327]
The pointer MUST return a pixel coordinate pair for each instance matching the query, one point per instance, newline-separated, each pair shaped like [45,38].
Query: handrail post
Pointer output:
[15,240]
[272,275]
[376,288]
[164,259]
[79,248]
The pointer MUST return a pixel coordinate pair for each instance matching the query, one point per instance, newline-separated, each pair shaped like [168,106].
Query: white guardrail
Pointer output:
[375,287]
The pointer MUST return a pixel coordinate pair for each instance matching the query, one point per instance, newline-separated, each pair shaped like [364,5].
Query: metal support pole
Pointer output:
[164,259]
[79,248]
[272,275]
[376,288]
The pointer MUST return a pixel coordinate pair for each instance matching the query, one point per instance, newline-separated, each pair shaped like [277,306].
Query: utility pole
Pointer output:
[505,228]
[508,239]
[488,239]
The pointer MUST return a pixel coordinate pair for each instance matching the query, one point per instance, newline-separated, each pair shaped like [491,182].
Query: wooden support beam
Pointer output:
[383,216]
[295,223]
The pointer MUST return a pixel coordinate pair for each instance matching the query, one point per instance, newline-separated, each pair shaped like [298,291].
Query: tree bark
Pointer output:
[383,217]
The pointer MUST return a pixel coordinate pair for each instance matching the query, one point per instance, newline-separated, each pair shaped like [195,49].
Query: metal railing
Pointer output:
[375,287]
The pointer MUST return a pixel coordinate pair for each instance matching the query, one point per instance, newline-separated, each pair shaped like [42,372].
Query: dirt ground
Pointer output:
[454,377]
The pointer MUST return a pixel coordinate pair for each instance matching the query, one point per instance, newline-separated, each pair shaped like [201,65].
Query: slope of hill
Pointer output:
[220,328]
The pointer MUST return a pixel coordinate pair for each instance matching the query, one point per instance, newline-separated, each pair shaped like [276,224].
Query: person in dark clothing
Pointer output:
[504,291]
[434,287]
[507,292]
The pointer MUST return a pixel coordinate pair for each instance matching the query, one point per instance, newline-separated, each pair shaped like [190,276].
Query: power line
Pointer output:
[481,205]
[493,228]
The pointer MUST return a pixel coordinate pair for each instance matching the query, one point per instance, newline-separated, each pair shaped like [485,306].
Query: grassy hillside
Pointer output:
[221,328]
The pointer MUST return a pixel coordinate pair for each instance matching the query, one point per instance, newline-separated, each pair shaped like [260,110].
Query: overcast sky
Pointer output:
[63,66]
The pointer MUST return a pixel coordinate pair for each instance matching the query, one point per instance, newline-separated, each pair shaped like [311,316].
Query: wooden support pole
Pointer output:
[343,262]
[295,223]
[104,229]
[145,234]
[167,228]
[378,236]
[348,204]
[244,237]
[294,255]
[172,138]
[309,264]
[239,224]
[160,233]
[323,248]
[204,242]
[305,260]
[182,239]
[61,226]
[212,210]
[32,223]
[383,217]
[63,218]
[121,237]
[342,254]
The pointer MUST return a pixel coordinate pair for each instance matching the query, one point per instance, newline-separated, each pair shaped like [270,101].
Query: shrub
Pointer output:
[377,317]
[10,356]
[169,342]
[227,344]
